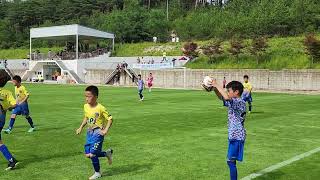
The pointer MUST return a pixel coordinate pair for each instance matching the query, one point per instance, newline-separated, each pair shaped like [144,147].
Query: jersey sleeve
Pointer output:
[25,91]
[249,87]
[105,114]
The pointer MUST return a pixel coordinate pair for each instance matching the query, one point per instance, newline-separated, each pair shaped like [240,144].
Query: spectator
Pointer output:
[224,82]
[50,55]
[5,63]
[164,56]
[152,61]
[174,61]
[138,60]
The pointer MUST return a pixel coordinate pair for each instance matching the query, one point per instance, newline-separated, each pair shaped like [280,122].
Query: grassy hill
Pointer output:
[282,53]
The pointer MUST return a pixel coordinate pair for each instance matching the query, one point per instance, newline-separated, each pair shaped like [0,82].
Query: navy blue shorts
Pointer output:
[2,122]
[235,150]
[21,109]
[94,142]
[246,96]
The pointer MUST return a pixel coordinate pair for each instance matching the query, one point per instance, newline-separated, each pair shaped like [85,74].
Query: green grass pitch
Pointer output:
[173,134]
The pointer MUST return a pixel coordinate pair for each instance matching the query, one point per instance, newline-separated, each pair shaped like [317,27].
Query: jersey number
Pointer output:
[91,120]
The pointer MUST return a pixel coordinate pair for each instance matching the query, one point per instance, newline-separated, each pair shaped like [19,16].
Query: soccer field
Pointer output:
[173,134]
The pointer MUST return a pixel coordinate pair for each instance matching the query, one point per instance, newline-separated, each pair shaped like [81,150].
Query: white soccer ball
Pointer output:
[207,81]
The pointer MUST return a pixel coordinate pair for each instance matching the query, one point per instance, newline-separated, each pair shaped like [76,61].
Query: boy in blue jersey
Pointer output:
[140,87]
[99,122]
[7,102]
[22,108]
[236,117]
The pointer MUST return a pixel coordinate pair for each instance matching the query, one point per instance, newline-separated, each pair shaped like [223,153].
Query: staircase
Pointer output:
[132,74]
[111,76]
[71,73]
[9,72]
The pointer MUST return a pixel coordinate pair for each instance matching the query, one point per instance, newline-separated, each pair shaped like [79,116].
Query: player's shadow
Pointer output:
[257,112]
[46,157]
[130,168]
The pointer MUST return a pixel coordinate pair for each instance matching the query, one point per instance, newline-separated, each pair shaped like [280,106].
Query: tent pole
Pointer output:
[77,46]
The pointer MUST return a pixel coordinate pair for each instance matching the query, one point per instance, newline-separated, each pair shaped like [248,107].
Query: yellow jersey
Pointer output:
[6,99]
[247,86]
[96,116]
[21,93]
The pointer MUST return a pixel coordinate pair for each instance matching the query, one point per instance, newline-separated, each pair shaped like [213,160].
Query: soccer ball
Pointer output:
[207,84]
[207,81]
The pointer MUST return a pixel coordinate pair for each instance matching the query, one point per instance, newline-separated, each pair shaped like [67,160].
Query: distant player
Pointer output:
[140,87]
[236,117]
[22,107]
[224,82]
[7,102]
[150,81]
[99,121]
[246,96]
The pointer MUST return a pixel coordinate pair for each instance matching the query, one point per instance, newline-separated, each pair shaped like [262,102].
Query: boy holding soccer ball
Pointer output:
[236,117]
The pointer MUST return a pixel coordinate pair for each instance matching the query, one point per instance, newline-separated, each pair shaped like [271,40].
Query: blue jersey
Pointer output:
[236,118]
[140,84]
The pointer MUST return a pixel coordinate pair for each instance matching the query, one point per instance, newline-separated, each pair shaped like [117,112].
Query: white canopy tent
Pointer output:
[67,31]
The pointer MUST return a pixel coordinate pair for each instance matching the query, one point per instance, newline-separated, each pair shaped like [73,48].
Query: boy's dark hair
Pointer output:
[93,89]
[245,77]
[4,77]
[139,75]
[17,78]
[235,85]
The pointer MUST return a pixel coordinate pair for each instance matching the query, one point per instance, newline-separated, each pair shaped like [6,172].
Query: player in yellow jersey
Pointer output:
[246,95]
[7,102]
[99,122]
[22,107]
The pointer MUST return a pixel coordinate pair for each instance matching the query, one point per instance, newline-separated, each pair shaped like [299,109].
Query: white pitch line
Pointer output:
[281,164]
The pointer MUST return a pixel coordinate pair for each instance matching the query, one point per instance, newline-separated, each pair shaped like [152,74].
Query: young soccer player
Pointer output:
[236,117]
[150,81]
[246,96]
[7,102]
[99,121]
[224,82]
[140,87]
[22,107]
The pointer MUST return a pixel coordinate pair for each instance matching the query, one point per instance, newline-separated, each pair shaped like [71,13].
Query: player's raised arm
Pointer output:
[219,90]
[83,124]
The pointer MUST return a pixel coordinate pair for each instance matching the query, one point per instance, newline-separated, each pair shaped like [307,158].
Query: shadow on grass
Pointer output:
[45,157]
[257,112]
[130,168]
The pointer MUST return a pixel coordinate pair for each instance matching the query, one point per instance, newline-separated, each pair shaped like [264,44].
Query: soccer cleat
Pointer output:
[109,156]
[13,164]
[31,130]
[7,131]
[96,175]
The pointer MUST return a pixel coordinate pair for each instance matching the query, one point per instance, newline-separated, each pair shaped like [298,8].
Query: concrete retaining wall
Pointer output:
[298,80]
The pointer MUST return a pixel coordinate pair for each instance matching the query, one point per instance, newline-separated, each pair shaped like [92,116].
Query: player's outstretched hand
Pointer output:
[78,131]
